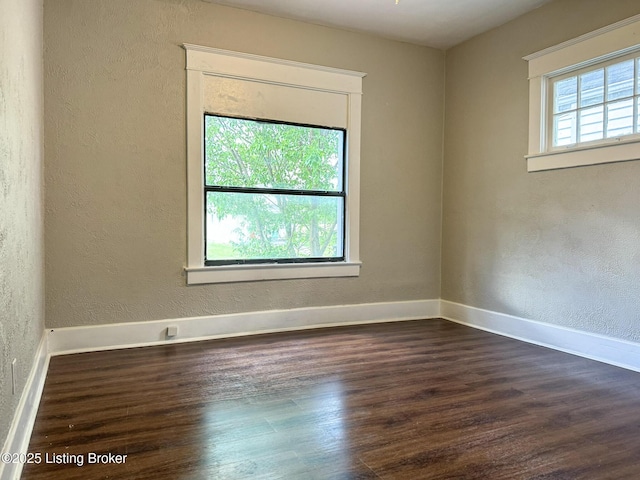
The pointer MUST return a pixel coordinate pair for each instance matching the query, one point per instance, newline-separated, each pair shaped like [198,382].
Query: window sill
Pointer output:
[582,156]
[252,273]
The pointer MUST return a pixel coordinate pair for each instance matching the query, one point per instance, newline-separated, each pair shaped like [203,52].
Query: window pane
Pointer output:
[564,129]
[565,95]
[620,118]
[592,88]
[248,153]
[638,76]
[242,226]
[620,80]
[592,124]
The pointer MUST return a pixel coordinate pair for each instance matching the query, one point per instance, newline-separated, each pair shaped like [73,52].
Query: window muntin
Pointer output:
[595,105]
[274,192]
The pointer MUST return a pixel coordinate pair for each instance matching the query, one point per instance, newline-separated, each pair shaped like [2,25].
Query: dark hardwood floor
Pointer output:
[410,400]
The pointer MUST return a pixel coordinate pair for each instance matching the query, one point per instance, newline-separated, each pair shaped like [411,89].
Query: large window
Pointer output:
[274,192]
[584,99]
[273,168]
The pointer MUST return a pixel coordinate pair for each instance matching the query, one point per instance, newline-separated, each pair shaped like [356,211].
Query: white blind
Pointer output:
[256,99]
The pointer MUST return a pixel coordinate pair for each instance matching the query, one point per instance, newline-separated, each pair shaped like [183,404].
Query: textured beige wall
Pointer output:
[116,169]
[560,246]
[21,224]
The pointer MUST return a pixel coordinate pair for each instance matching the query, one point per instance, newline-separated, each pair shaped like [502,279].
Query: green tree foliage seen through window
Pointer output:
[273,190]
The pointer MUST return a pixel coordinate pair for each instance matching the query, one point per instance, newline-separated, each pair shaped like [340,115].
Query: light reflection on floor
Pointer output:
[257,437]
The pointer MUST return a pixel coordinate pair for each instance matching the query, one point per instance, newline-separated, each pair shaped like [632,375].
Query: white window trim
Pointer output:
[601,45]
[201,61]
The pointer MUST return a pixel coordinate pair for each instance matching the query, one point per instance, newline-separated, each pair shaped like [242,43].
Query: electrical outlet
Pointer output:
[172,332]
[13,376]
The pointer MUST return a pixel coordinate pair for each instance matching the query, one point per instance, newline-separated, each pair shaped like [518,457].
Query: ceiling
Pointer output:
[435,23]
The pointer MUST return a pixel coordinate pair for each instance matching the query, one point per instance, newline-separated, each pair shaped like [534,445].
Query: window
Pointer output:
[274,192]
[584,104]
[595,105]
[273,150]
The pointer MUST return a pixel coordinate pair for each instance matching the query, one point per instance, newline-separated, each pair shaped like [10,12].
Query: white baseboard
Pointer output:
[604,349]
[609,350]
[20,431]
[58,341]
[136,334]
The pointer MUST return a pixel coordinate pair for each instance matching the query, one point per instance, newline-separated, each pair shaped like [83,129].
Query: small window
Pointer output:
[595,105]
[584,99]
[274,192]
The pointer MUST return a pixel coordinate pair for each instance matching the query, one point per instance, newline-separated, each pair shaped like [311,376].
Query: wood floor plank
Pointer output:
[411,400]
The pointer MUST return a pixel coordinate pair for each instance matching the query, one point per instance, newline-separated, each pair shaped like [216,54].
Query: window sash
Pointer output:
[339,193]
[580,113]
